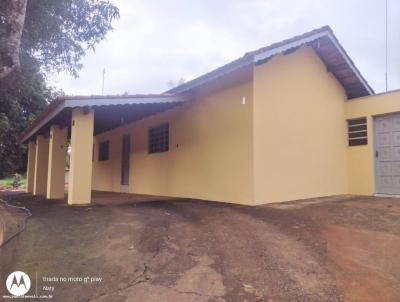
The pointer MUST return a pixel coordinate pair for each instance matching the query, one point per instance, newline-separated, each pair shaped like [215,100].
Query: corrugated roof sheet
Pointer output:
[308,38]
[62,103]
[322,40]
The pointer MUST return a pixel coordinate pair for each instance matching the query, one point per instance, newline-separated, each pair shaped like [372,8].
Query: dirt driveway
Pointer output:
[330,249]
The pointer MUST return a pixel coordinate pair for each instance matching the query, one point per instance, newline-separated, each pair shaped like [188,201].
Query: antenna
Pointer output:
[386,48]
[102,84]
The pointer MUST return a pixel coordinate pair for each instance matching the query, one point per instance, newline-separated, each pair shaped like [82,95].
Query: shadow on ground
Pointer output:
[329,249]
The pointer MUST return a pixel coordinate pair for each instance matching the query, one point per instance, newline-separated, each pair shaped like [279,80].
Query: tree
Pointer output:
[23,94]
[55,36]
[12,18]
[58,33]
[172,84]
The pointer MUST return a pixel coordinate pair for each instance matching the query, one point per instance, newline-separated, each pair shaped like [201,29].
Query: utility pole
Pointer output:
[386,48]
[102,85]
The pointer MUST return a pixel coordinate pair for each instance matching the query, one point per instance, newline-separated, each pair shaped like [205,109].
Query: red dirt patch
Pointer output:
[365,261]
[321,250]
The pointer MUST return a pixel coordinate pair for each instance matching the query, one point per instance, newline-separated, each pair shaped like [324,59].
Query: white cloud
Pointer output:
[158,41]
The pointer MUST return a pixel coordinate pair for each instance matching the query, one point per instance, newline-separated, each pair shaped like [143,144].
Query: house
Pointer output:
[290,121]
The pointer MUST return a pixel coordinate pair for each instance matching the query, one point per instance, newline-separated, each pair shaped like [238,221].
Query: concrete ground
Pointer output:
[330,249]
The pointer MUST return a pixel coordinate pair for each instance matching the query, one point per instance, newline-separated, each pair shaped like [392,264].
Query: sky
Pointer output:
[157,42]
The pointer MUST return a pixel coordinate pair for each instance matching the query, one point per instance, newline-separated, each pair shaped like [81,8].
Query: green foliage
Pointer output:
[8,182]
[23,94]
[17,180]
[55,37]
[68,156]
[58,33]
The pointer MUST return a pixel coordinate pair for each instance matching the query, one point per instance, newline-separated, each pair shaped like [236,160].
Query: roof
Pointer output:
[129,108]
[322,40]
[125,109]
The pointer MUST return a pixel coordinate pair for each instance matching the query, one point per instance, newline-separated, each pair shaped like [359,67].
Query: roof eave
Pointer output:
[213,75]
[45,119]
[90,102]
[326,33]
[269,52]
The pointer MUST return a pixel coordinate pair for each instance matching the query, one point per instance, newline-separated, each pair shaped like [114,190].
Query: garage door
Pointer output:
[387,154]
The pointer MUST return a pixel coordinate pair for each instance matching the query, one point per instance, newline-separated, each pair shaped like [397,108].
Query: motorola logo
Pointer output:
[18,283]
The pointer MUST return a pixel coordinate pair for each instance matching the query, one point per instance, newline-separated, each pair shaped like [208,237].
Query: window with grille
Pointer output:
[104,150]
[159,138]
[357,131]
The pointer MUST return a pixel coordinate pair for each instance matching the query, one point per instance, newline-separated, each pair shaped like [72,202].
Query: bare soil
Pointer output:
[329,249]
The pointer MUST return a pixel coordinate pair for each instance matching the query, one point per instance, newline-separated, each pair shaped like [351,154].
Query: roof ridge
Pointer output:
[288,40]
[251,54]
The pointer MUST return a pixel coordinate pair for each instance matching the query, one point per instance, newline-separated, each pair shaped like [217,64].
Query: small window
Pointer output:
[104,150]
[357,132]
[159,138]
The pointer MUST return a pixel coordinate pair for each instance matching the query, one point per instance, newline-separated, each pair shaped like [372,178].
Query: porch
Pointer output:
[73,122]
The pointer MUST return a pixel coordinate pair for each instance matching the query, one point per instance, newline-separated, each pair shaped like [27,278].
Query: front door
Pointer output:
[387,154]
[126,150]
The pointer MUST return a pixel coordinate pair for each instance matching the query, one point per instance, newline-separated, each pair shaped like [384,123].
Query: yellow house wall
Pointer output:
[289,141]
[41,165]
[361,158]
[107,173]
[299,129]
[56,166]
[210,151]
[80,174]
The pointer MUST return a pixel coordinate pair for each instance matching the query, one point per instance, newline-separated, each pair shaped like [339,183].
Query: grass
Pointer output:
[8,181]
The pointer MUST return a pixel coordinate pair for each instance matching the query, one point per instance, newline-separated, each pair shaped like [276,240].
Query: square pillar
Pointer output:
[80,174]
[41,164]
[57,154]
[30,173]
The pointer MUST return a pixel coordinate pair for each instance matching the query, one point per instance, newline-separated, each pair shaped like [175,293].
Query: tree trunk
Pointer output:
[12,18]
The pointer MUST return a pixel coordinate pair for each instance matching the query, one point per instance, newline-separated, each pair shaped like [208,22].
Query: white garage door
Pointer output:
[387,154]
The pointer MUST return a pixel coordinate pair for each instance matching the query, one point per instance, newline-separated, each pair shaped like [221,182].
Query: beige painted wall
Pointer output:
[210,154]
[56,166]
[80,173]
[289,141]
[299,129]
[361,158]
[41,165]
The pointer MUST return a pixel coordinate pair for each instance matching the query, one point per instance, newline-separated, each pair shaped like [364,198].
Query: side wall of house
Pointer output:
[299,129]
[209,157]
[361,158]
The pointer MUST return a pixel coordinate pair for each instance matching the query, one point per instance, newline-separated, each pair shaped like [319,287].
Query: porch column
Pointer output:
[30,173]
[57,154]
[80,174]
[41,164]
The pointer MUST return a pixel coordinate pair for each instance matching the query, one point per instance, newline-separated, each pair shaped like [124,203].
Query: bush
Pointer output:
[17,180]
